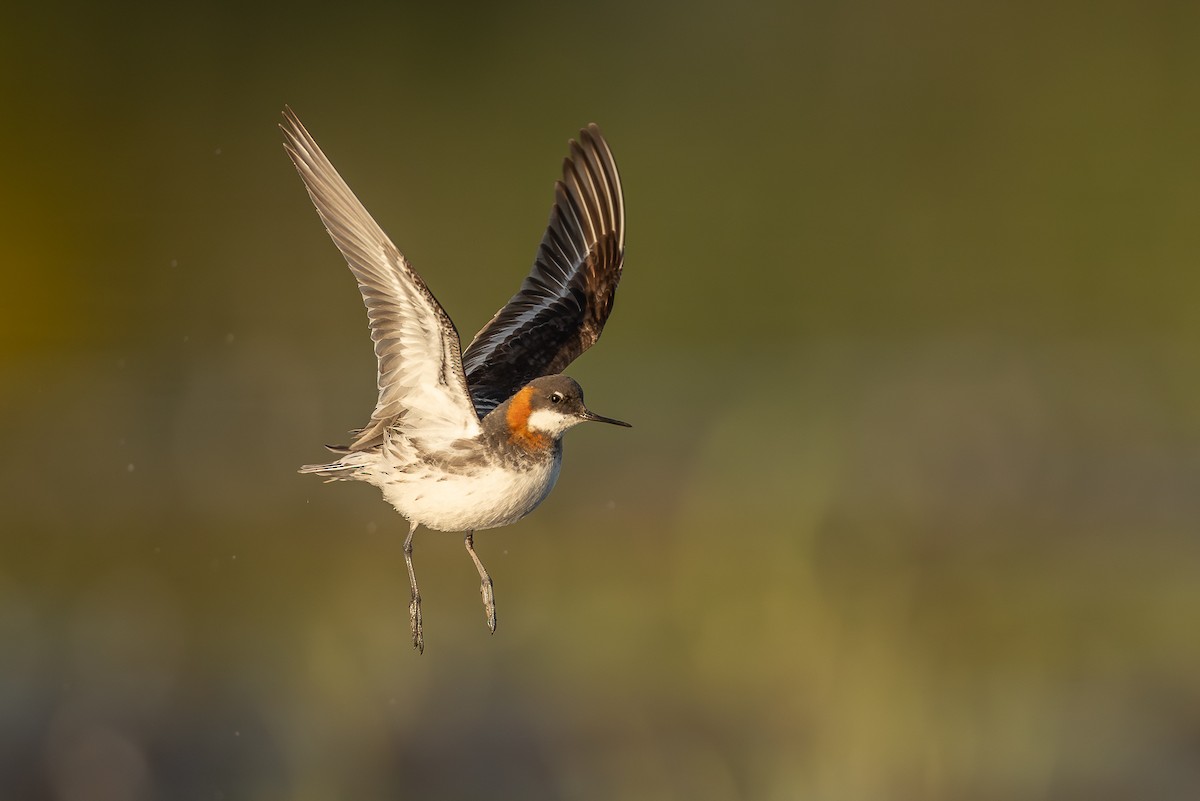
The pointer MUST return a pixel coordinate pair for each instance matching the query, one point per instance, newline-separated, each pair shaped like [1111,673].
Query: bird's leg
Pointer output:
[485,584]
[414,609]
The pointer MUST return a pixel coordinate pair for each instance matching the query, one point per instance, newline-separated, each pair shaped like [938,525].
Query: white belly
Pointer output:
[470,502]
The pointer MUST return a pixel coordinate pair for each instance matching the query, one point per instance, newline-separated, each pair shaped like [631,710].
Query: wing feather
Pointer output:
[561,307]
[422,387]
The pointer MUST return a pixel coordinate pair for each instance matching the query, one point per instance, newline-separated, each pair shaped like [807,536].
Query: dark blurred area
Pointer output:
[908,333]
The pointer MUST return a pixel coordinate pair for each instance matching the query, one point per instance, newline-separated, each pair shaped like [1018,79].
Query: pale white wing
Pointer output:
[422,390]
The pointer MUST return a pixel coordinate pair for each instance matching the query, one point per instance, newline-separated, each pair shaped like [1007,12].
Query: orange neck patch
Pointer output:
[519,432]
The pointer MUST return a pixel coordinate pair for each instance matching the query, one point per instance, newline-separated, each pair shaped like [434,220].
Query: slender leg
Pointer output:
[485,584]
[414,609]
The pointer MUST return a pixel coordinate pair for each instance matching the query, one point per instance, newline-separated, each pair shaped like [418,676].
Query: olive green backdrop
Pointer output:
[909,335]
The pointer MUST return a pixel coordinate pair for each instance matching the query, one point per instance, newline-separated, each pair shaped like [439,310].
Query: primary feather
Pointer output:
[562,305]
[422,389]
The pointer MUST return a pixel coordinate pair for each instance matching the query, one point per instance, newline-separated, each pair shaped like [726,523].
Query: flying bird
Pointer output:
[463,441]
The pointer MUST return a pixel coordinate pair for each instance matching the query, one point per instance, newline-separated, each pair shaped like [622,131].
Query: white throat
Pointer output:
[550,422]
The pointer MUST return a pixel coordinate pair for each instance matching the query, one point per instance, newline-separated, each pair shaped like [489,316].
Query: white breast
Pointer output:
[492,497]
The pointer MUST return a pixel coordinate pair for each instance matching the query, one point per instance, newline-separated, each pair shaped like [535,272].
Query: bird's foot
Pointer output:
[414,620]
[489,603]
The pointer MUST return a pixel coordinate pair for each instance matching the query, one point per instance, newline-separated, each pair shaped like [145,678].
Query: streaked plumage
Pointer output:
[463,442]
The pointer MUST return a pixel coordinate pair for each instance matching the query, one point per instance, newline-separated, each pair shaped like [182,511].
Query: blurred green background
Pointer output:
[908,333]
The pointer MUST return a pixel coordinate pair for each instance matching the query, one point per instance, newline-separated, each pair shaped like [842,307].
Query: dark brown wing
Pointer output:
[562,305]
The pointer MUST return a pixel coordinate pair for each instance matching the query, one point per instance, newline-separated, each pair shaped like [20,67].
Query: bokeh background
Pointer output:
[908,333]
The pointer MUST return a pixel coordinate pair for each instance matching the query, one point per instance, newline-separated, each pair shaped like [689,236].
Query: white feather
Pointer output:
[548,421]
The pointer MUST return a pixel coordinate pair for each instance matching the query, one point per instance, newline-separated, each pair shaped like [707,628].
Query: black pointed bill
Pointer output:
[595,418]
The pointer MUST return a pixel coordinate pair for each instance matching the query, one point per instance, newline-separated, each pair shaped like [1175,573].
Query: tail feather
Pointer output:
[353,464]
[334,471]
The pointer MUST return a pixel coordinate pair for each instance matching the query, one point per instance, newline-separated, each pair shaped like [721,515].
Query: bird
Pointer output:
[468,440]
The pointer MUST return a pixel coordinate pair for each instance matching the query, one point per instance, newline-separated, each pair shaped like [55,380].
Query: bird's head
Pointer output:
[542,411]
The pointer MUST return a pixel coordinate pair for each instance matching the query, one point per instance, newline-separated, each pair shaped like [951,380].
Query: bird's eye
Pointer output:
[556,397]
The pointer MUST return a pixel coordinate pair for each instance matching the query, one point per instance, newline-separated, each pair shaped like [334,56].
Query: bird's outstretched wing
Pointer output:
[562,305]
[422,389]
